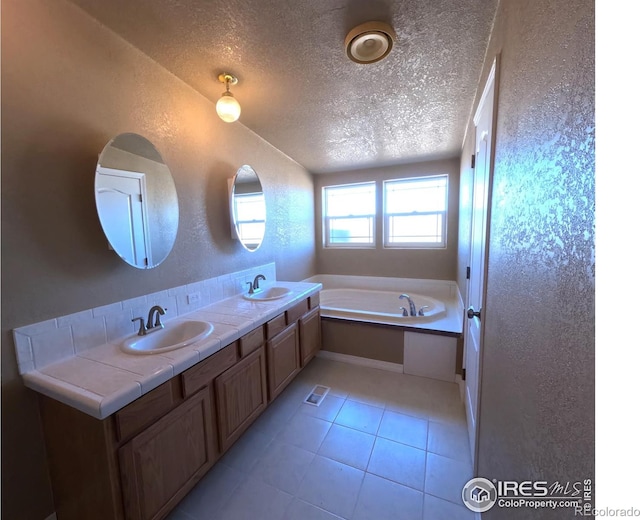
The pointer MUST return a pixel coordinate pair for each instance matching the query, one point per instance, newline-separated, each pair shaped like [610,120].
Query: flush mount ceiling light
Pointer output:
[227,106]
[369,42]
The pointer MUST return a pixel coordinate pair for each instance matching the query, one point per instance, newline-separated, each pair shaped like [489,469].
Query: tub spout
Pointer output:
[412,306]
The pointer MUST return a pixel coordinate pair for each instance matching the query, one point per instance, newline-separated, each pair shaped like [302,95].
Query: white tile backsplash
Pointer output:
[40,344]
[24,352]
[119,324]
[88,334]
[105,310]
[78,317]
[52,346]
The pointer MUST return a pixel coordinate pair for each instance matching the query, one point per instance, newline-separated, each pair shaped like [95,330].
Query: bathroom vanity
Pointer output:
[142,459]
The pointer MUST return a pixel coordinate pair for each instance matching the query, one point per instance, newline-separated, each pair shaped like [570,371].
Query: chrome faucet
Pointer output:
[412,306]
[155,312]
[256,283]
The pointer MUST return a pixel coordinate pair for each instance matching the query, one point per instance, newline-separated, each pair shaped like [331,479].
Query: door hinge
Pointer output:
[464,374]
[473,160]
[140,197]
[468,273]
[146,261]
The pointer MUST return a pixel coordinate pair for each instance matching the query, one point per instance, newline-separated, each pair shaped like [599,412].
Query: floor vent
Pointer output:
[317,395]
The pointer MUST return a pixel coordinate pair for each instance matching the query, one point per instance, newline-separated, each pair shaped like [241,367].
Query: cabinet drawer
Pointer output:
[207,370]
[276,325]
[144,410]
[296,311]
[314,300]
[251,341]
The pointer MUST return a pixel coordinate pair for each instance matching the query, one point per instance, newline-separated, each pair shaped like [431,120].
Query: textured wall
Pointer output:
[538,388]
[437,264]
[68,86]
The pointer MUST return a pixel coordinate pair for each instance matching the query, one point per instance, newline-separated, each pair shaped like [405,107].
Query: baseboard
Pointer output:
[52,516]
[357,360]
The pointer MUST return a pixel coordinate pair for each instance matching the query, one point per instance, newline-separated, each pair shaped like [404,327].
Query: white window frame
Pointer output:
[238,201]
[326,219]
[442,244]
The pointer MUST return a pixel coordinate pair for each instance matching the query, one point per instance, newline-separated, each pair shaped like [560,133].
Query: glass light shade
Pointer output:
[228,108]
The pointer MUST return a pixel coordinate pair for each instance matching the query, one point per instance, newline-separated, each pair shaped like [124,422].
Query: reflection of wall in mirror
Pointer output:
[161,197]
[121,200]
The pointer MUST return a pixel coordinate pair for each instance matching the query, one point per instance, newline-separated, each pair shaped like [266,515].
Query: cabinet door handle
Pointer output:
[472,314]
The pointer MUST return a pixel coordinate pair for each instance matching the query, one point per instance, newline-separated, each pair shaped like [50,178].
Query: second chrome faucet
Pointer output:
[255,285]
[153,320]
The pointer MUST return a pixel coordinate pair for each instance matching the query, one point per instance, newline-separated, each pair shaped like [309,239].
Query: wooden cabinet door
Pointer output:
[310,338]
[283,357]
[160,465]
[241,395]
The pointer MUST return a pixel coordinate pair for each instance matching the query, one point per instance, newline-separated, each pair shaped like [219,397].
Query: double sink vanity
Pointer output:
[138,458]
[133,421]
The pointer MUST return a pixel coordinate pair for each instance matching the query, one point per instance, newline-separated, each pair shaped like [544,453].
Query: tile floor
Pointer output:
[381,445]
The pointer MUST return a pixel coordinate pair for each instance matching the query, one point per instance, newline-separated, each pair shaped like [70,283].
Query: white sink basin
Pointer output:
[268,293]
[173,336]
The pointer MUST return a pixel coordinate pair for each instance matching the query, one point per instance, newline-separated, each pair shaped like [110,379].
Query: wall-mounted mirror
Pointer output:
[248,208]
[136,200]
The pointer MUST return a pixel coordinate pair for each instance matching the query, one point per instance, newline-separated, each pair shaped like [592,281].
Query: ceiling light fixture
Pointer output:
[369,42]
[227,106]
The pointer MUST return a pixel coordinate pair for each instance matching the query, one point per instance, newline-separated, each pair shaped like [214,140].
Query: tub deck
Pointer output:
[342,296]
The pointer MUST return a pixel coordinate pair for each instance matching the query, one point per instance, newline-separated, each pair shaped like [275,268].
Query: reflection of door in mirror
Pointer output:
[141,232]
[121,199]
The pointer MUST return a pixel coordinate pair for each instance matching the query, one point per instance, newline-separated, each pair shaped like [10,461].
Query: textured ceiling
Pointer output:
[297,88]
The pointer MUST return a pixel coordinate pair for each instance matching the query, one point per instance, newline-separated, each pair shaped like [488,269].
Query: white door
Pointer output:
[120,200]
[483,121]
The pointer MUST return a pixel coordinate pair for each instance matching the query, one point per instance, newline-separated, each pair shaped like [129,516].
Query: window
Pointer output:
[415,212]
[349,215]
[250,213]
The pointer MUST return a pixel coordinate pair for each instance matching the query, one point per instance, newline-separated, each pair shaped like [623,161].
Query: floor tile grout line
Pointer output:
[445,499]
[338,517]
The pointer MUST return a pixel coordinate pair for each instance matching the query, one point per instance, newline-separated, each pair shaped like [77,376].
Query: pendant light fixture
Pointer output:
[369,42]
[227,106]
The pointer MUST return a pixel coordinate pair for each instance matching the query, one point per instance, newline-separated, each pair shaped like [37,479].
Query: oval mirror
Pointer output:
[136,200]
[248,208]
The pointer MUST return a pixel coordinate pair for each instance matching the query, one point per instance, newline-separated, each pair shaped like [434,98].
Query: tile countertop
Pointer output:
[102,380]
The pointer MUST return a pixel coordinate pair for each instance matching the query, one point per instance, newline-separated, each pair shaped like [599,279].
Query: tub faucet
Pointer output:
[412,306]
